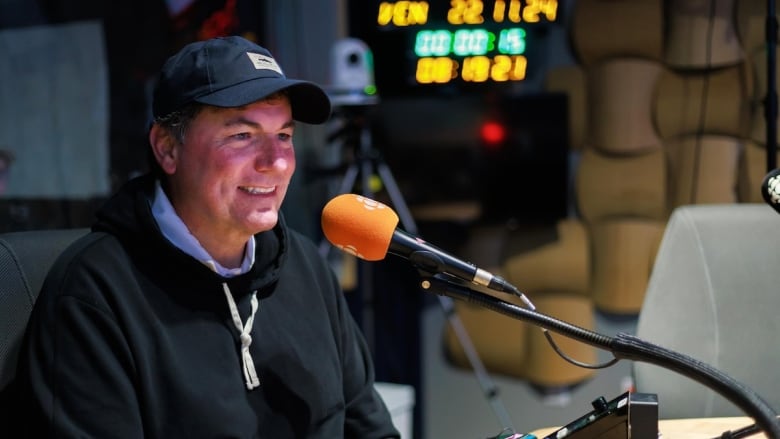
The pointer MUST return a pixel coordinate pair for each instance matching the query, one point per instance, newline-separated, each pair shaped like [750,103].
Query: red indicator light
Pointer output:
[492,134]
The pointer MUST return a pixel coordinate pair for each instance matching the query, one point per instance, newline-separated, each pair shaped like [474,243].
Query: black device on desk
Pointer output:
[637,412]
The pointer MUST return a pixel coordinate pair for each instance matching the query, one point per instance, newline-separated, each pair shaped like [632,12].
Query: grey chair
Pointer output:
[714,294]
[25,258]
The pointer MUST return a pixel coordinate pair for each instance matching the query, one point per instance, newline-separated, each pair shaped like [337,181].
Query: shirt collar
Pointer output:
[174,229]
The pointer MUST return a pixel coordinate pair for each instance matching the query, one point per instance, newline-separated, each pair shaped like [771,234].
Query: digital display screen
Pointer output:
[451,44]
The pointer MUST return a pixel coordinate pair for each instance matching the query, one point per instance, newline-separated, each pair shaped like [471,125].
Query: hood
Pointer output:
[127,215]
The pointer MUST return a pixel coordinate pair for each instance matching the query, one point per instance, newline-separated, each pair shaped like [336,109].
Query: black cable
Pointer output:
[740,433]
[703,106]
[746,431]
[575,362]
[770,101]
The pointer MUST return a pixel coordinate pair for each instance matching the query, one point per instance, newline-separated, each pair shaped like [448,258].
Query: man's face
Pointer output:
[231,174]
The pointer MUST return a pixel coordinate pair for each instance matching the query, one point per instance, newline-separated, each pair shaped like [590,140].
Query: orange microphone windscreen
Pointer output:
[359,226]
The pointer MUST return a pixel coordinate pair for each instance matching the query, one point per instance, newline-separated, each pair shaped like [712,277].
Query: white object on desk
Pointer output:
[399,399]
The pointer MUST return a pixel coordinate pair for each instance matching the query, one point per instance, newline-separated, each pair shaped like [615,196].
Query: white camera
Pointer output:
[352,67]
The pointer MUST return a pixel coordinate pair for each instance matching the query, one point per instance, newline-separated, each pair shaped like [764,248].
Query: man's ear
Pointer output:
[164,148]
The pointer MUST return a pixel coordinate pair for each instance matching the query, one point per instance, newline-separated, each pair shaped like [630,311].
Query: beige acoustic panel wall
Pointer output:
[701,34]
[543,365]
[750,23]
[550,264]
[758,63]
[620,96]
[571,80]
[623,254]
[715,102]
[499,340]
[514,348]
[703,169]
[758,121]
[553,267]
[752,170]
[609,186]
[556,259]
[485,247]
[602,29]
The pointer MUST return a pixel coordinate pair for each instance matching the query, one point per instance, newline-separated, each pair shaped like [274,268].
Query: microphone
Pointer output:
[770,189]
[367,229]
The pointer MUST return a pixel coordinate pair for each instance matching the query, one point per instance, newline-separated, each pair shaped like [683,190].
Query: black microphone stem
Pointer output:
[623,346]
[770,104]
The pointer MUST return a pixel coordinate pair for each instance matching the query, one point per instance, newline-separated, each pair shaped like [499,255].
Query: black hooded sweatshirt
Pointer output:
[132,338]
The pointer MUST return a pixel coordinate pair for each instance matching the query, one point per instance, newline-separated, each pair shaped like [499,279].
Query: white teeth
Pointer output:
[258,190]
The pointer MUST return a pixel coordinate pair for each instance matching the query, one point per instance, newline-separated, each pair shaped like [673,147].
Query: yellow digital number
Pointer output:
[465,12]
[508,68]
[516,13]
[439,70]
[534,8]
[475,69]
[500,11]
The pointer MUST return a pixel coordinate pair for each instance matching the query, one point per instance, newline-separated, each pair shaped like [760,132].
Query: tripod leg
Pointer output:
[407,221]
[487,385]
[347,182]
[489,388]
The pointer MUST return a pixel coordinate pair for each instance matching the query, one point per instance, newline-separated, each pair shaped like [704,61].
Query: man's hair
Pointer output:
[176,124]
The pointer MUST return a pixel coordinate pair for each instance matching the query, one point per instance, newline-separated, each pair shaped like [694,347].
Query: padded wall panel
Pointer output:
[758,64]
[543,365]
[758,122]
[623,254]
[716,102]
[703,169]
[616,186]
[603,29]
[702,34]
[750,22]
[752,170]
[506,345]
[571,80]
[485,247]
[499,340]
[620,96]
[555,257]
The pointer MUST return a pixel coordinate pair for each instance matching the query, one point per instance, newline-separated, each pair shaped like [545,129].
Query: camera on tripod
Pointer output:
[352,73]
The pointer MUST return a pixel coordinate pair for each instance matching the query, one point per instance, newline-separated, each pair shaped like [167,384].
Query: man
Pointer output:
[192,310]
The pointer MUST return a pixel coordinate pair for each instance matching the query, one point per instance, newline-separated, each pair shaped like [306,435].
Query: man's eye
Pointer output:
[285,137]
[241,136]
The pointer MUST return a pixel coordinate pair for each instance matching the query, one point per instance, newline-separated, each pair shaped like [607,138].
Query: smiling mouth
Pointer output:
[257,190]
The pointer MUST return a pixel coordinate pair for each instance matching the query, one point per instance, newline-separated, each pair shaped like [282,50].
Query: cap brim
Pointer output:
[309,102]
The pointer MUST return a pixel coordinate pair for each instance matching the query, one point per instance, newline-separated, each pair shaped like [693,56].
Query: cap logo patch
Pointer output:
[263,62]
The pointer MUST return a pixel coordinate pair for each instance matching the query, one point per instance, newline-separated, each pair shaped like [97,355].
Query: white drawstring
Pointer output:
[250,373]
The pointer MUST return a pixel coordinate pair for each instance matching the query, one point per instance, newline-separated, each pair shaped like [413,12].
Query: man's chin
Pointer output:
[263,221]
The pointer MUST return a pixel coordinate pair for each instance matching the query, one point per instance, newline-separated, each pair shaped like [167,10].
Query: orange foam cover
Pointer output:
[359,226]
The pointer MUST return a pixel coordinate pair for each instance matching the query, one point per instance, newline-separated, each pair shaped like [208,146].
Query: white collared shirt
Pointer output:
[174,229]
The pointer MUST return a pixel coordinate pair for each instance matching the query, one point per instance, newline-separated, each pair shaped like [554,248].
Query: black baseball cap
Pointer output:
[231,72]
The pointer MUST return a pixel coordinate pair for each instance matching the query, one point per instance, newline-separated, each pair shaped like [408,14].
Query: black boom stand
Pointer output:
[367,164]
[770,103]
[623,346]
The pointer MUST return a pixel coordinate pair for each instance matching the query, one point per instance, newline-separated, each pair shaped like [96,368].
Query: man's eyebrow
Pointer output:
[240,120]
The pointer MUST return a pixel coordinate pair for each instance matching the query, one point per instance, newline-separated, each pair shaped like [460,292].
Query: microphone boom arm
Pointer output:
[623,346]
